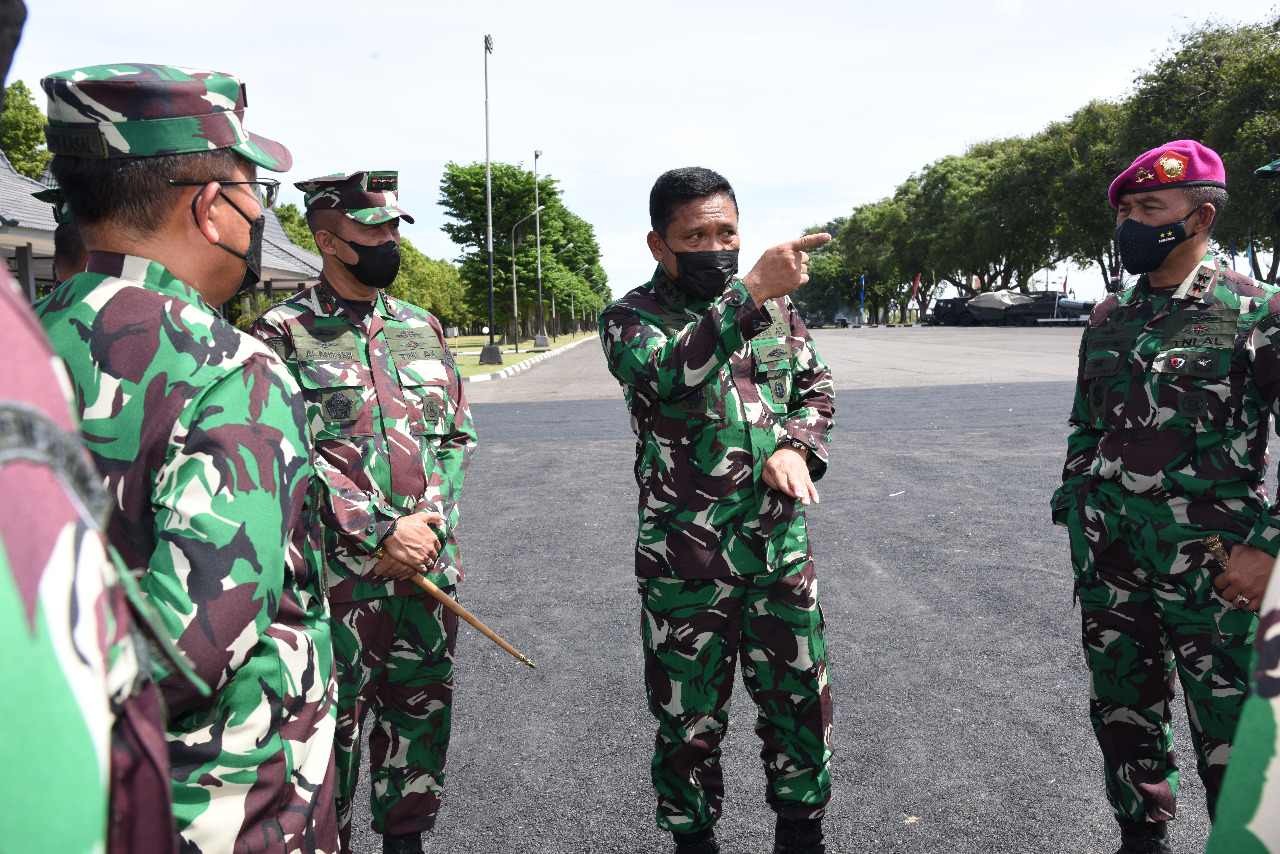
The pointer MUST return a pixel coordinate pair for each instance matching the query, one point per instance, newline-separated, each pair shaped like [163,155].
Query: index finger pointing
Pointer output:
[808,241]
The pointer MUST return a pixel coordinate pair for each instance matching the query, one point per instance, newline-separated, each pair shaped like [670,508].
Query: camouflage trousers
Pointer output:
[394,656]
[694,632]
[1140,624]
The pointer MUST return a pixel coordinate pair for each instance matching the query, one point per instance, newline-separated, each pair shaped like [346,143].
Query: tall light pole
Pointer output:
[540,340]
[492,353]
[573,317]
[515,316]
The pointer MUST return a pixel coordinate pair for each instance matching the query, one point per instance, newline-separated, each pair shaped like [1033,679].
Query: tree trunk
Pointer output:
[1275,262]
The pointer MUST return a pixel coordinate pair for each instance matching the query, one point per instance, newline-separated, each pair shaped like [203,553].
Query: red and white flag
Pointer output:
[916,286]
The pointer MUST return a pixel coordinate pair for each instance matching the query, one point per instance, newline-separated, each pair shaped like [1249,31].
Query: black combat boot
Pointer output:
[798,836]
[404,843]
[1143,837]
[701,842]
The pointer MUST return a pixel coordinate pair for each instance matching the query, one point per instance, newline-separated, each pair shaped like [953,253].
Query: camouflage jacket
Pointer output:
[1173,405]
[392,430]
[80,710]
[713,387]
[199,433]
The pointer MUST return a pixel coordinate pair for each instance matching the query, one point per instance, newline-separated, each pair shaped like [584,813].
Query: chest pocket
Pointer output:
[1194,389]
[335,382]
[426,371]
[773,372]
[1109,351]
[1195,383]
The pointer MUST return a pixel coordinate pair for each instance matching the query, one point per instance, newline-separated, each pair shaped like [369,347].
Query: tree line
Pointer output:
[1007,209]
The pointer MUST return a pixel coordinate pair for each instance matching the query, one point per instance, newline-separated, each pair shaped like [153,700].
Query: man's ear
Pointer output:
[655,245]
[202,207]
[326,242]
[1206,214]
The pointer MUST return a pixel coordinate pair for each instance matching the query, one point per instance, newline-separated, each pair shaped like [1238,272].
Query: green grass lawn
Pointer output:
[467,351]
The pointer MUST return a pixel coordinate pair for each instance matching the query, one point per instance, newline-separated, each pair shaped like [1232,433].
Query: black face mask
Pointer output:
[252,256]
[376,266]
[704,275]
[1143,248]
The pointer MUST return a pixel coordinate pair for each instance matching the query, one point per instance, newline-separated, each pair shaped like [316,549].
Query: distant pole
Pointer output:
[491,354]
[514,315]
[862,299]
[540,340]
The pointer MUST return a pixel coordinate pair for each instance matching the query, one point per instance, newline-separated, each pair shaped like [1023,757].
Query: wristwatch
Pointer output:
[381,551]
[795,444]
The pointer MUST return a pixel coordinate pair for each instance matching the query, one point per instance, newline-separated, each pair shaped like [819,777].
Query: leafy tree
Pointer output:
[1221,86]
[462,197]
[22,131]
[295,226]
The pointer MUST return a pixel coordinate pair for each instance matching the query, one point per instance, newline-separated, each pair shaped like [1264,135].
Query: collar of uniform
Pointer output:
[1199,283]
[151,275]
[673,297]
[332,304]
[670,295]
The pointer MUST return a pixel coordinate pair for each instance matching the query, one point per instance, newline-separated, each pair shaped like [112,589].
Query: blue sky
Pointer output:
[809,109]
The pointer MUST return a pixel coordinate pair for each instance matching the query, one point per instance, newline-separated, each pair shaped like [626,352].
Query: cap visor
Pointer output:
[1271,170]
[374,216]
[266,153]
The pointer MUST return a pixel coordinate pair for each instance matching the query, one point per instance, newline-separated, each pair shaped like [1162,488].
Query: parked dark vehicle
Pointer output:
[946,312]
[1005,308]
[842,323]
[1048,308]
[814,321]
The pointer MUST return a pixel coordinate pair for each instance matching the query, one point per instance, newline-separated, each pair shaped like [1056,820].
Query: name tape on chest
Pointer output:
[331,344]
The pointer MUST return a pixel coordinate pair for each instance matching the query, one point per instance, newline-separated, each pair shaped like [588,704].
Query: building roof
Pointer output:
[19,212]
[282,258]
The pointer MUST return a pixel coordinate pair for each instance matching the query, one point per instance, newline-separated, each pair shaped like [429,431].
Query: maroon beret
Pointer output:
[1181,163]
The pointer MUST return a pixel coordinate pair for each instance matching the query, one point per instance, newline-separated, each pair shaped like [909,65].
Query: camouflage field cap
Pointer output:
[140,110]
[53,196]
[367,197]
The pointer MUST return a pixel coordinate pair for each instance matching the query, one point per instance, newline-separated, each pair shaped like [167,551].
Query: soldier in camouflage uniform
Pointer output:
[393,436]
[1179,378]
[1248,817]
[200,434]
[79,711]
[732,410]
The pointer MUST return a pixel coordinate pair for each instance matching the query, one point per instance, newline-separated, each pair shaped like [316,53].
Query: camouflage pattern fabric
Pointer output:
[392,430]
[393,436]
[1138,625]
[200,435]
[1172,408]
[1174,400]
[713,387]
[693,631]
[79,712]
[1248,819]
[369,198]
[141,110]
[396,654]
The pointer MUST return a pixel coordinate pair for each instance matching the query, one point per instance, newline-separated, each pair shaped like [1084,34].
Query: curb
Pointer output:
[527,363]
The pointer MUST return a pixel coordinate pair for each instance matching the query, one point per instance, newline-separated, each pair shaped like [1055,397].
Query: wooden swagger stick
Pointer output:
[462,612]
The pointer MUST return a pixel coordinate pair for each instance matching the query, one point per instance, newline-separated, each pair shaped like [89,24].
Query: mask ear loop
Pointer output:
[243,256]
[676,274]
[1189,216]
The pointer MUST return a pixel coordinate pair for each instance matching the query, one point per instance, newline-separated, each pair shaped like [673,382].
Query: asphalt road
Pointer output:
[960,689]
